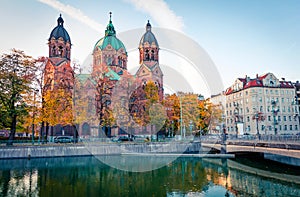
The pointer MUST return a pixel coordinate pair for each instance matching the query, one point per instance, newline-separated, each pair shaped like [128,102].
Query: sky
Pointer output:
[241,37]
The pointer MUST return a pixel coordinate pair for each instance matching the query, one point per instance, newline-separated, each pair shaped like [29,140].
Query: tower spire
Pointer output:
[110,16]
[60,21]
[110,29]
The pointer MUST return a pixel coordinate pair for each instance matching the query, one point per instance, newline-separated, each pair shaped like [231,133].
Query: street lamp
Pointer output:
[274,112]
[236,117]
[35,91]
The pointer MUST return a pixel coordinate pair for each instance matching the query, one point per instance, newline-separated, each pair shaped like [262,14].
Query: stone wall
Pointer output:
[96,149]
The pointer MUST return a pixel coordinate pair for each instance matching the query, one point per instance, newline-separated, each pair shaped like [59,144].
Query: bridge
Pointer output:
[284,149]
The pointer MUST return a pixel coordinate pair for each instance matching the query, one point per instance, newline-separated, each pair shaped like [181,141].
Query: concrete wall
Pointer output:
[96,149]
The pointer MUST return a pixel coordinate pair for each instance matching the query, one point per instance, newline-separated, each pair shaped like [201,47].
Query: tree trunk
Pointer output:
[47,131]
[12,131]
[41,131]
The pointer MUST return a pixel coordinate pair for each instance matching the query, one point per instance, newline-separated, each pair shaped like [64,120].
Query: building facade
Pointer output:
[109,66]
[58,82]
[261,105]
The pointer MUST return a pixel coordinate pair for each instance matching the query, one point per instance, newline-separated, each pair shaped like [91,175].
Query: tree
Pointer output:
[172,105]
[103,89]
[122,101]
[189,104]
[17,70]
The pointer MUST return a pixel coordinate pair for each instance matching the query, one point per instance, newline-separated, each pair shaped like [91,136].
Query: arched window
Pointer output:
[60,51]
[109,61]
[152,54]
[147,57]
[53,50]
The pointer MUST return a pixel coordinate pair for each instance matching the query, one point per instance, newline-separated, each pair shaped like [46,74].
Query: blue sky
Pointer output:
[242,37]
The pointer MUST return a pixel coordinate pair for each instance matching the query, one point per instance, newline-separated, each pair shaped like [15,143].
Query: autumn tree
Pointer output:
[172,105]
[17,71]
[122,101]
[103,88]
[189,104]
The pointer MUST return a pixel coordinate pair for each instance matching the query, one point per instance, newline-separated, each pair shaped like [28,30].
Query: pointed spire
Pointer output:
[110,29]
[148,26]
[60,21]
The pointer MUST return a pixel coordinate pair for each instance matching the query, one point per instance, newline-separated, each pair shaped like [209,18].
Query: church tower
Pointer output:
[110,51]
[58,71]
[59,41]
[149,61]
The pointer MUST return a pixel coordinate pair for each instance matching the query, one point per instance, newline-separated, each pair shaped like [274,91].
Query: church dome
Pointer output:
[59,31]
[148,36]
[110,39]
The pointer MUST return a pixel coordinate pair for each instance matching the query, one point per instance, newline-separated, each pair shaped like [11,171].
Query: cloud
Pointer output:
[160,12]
[74,13]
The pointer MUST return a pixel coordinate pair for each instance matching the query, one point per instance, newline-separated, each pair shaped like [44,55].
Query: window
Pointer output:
[279,118]
[247,109]
[247,100]
[285,127]
[262,127]
[280,128]
[267,92]
[246,92]
[296,127]
[290,118]
[268,109]
[284,118]
[269,118]
[248,119]
[271,91]
[282,100]
[291,127]
[248,128]
[276,92]
[109,61]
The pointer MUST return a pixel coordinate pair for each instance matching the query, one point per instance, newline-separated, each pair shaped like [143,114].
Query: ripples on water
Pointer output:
[86,176]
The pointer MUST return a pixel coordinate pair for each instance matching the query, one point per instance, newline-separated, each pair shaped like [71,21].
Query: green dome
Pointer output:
[112,40]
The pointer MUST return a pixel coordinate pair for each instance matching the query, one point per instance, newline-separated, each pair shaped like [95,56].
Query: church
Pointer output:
[91,94]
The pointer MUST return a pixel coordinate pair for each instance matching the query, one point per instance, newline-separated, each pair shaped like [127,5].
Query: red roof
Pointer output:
[253,83]
[286,84]
[263,76]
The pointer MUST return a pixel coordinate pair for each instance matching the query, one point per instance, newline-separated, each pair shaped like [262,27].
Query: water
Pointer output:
[86,176]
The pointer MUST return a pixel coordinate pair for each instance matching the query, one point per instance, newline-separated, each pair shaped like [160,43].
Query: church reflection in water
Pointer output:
[86,176]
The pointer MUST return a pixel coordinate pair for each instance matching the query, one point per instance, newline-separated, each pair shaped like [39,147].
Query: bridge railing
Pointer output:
[266,138]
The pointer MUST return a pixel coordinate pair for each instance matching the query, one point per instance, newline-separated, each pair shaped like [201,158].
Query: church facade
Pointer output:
[109,66]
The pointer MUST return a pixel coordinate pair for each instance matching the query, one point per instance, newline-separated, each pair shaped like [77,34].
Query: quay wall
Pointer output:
[71,150]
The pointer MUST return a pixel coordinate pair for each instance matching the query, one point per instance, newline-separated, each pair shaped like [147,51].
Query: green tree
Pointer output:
[17,70]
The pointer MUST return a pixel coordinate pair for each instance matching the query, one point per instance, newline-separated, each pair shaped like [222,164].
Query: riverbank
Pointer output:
[139,149]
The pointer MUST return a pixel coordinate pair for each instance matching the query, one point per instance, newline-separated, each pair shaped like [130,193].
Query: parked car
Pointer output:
[63,139]
[122,138]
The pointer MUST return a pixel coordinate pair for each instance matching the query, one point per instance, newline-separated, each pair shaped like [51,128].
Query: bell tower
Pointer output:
[59,41]
[148,47]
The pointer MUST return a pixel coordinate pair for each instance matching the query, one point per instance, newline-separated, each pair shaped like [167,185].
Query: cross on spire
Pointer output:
[110,16]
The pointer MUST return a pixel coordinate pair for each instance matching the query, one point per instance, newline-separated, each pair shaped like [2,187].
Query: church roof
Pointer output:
[59,31]
[110,38]
[112,75]
[148,36]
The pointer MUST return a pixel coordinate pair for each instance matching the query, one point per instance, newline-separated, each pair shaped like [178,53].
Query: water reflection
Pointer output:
[86,176]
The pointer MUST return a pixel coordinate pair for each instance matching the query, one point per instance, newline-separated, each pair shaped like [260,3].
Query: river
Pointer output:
[185,176]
